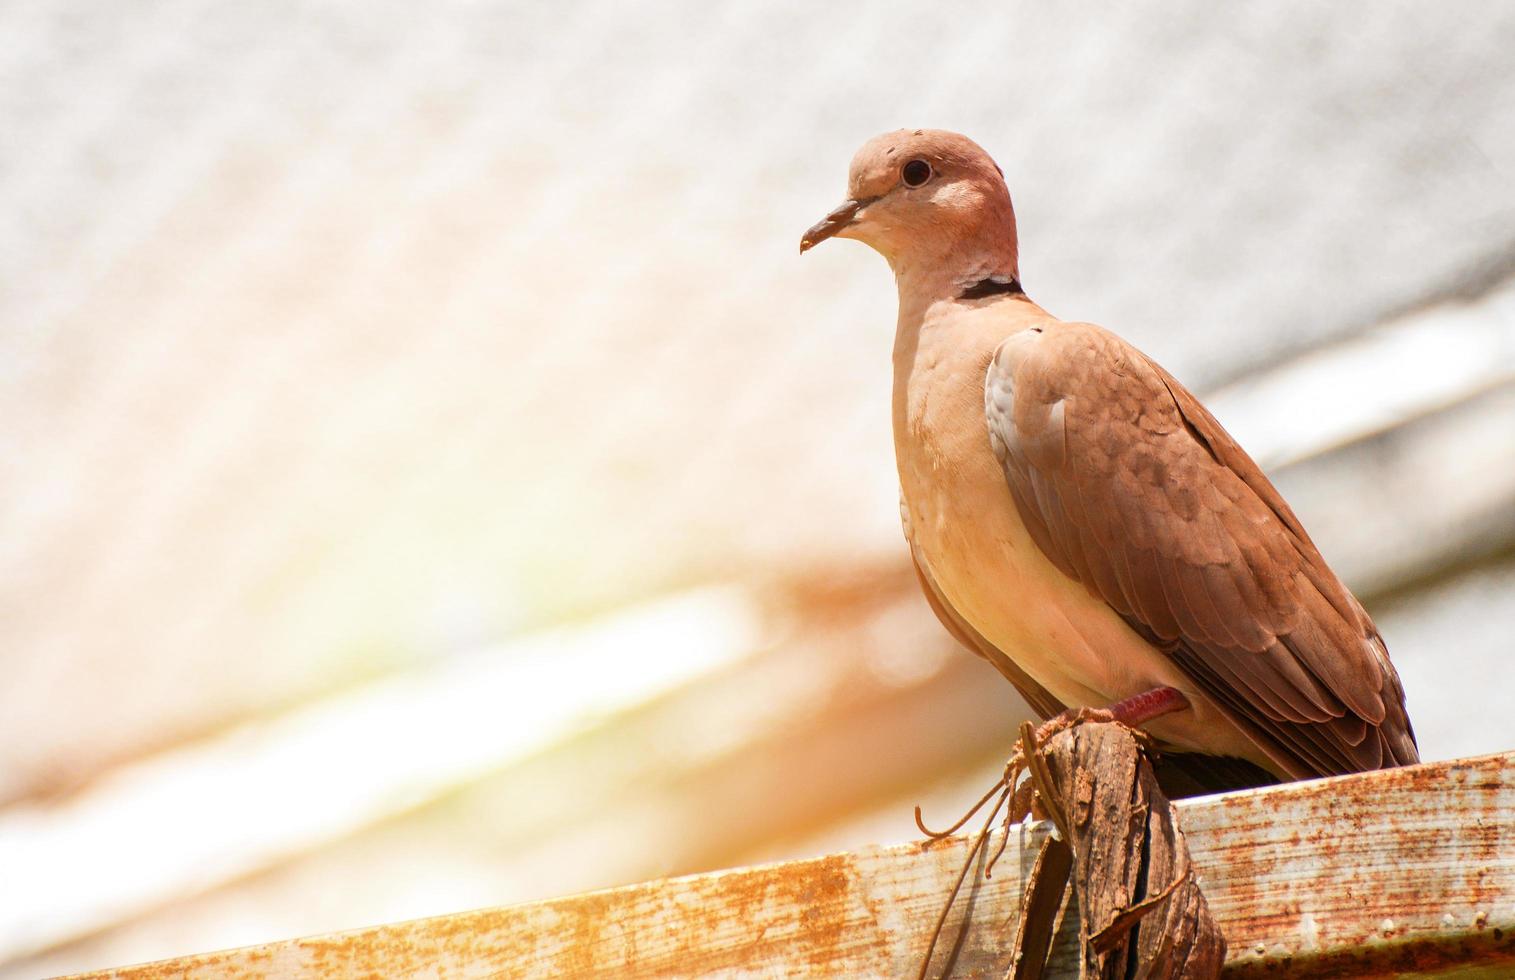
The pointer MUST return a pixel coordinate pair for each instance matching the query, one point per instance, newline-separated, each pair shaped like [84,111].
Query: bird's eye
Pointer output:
[915,173]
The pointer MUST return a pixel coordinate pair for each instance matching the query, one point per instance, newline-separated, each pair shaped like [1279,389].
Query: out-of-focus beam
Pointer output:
[192,818]
[1387,376]
[1415,501]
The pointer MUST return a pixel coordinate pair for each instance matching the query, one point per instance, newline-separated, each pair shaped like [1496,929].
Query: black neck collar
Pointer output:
[993,286]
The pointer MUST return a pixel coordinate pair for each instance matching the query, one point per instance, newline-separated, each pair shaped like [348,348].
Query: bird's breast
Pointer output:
[965,531]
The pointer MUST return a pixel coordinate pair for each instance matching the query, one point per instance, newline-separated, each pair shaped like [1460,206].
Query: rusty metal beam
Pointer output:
[1410,871]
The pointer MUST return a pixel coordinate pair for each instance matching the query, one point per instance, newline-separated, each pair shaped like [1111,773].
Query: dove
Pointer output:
[1081,521]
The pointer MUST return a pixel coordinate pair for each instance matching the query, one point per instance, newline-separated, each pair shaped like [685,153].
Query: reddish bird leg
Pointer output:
[1134,712]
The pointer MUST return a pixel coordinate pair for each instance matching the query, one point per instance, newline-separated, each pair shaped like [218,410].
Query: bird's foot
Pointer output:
[1068,719]
[1133,712]
[1022,797]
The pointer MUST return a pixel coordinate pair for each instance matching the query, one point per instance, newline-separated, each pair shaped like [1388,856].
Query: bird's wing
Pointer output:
[1132,488]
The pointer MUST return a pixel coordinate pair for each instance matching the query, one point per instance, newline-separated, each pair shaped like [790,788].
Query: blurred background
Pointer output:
[433,480]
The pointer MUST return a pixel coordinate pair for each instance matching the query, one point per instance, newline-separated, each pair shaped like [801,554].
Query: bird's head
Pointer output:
[926,197]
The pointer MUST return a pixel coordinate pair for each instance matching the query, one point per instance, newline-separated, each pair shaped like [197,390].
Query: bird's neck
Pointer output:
[952,271]
[947,275]
[946,316]
[926,278]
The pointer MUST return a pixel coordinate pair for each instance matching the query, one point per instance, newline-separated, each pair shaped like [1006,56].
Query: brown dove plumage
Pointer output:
[1080,520]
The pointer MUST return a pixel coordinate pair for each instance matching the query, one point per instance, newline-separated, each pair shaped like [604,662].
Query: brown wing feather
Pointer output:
[1131,487]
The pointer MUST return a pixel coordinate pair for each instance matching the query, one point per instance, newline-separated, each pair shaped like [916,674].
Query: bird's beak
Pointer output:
[834,222]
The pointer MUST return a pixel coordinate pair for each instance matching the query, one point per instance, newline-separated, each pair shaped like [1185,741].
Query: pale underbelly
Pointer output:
[1073,644]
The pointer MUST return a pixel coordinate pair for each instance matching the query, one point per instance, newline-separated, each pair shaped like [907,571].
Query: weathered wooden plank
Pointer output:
[1411,870]
[1407,869]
